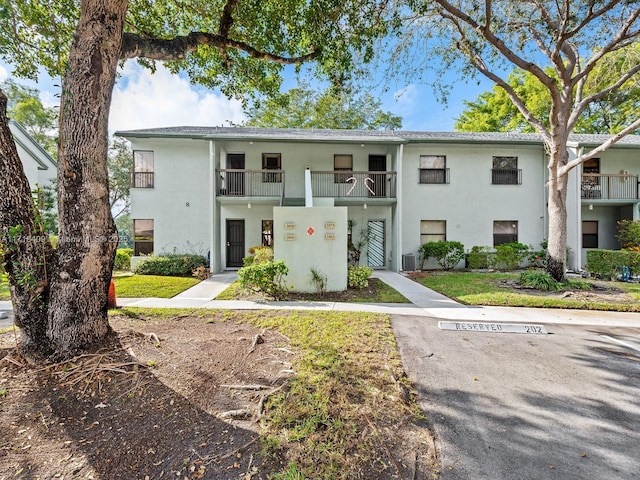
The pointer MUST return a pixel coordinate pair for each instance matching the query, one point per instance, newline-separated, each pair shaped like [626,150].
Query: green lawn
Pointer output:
[140,286]
[485,289]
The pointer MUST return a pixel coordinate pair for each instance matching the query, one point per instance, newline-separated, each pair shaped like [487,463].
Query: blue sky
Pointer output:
[142,99]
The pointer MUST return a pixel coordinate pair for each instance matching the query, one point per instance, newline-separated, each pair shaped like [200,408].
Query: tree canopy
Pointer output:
[493,111]
[303,107]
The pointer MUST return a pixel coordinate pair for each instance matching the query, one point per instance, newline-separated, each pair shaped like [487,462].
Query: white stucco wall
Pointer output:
[325,249]
[470,203]
[179,202]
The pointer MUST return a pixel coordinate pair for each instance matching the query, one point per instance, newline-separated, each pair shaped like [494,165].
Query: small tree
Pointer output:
[629,234]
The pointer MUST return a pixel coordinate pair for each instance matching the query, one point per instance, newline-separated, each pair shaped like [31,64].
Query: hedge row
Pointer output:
[171,265]
[608,263]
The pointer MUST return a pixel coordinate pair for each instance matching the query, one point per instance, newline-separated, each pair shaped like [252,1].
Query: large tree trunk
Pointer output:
[557,209]
[87,238]
[27,250]
[60,297]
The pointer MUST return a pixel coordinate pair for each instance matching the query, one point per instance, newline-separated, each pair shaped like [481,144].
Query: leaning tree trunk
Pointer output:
[557,210]
[27,251]
[87,239]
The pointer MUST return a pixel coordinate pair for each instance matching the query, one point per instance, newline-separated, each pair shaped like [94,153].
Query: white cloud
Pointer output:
[142,99]
[3,73]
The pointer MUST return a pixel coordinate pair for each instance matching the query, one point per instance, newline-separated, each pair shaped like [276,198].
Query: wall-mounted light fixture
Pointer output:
[364,206]
[591,206]
[248,205]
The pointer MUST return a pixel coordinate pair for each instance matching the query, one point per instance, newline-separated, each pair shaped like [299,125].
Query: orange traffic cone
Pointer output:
[111,297]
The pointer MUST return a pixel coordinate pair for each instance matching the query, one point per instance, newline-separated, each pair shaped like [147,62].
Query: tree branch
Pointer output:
[176,48]
[599,149]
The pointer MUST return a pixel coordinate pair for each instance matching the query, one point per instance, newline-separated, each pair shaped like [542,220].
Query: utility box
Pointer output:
[408,262]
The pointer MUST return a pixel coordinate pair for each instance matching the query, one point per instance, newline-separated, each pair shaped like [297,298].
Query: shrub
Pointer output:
[629,234]
[509,255]
[266,277]
[447,254]
[123,259]
[172,265]
[539,280]
[605,263]
[358,277]
[201,272]
[258,255]
[318,280]
[479,257]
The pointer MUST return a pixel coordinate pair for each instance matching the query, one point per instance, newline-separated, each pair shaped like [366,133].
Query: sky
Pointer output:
[142,99]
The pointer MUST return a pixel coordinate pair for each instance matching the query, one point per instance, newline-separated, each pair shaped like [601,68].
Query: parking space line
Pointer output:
[624,344]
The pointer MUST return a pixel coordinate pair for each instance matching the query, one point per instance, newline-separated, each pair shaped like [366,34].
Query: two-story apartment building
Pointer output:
[213,190]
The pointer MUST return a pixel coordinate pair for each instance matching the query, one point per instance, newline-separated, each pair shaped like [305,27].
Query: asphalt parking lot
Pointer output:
[565,405]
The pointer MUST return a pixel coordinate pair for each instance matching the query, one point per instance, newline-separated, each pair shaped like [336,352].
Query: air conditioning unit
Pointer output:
[408,262]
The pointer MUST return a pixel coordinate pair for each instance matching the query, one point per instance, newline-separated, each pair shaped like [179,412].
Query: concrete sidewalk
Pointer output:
[425,303]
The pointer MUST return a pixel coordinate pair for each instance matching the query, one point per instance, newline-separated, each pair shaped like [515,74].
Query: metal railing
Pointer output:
[250,183]
[600,186]
[353,184]
[506,176]
[434,175]
[142,179]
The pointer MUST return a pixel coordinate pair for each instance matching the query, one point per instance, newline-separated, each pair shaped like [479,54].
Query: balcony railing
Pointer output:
[599,186]
[506,176]
[250,183]
[353,184]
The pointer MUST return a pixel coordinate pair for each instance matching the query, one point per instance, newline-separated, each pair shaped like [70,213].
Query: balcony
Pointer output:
[354,184]
[598,186]
[250,183]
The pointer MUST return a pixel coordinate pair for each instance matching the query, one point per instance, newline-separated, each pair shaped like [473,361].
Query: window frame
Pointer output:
[512,237]
[140,240]
[428,235]
[342,177]
[269,177]
[266,239]
[591,236]
[501,175]
[432,174]
[143,174]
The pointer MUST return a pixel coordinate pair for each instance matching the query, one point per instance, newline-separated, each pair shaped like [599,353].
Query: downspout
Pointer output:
[213,255]
[398,223]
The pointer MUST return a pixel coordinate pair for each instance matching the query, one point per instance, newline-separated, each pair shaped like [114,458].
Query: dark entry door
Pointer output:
[235,243]
[235,180]
[377,163]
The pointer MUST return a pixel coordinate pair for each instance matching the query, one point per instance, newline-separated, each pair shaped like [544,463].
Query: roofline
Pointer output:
[33,145]
[393,137]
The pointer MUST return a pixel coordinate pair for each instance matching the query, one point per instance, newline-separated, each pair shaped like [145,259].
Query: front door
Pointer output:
[377,163]
[375,243]
[235,243]
[235,180]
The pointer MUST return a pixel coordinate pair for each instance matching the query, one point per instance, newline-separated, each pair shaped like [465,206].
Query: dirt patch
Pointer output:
[176,398]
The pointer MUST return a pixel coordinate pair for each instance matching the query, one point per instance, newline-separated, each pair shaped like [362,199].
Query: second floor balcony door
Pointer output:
[235,180]
[377,163]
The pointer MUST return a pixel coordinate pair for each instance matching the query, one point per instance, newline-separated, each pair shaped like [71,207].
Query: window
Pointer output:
[142,237]
[590,234]
[591,166]
[433,169]
[432,231]
[342,163]
[142,169]
[505,232]
[267,233]
[505,171]
[271,161]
